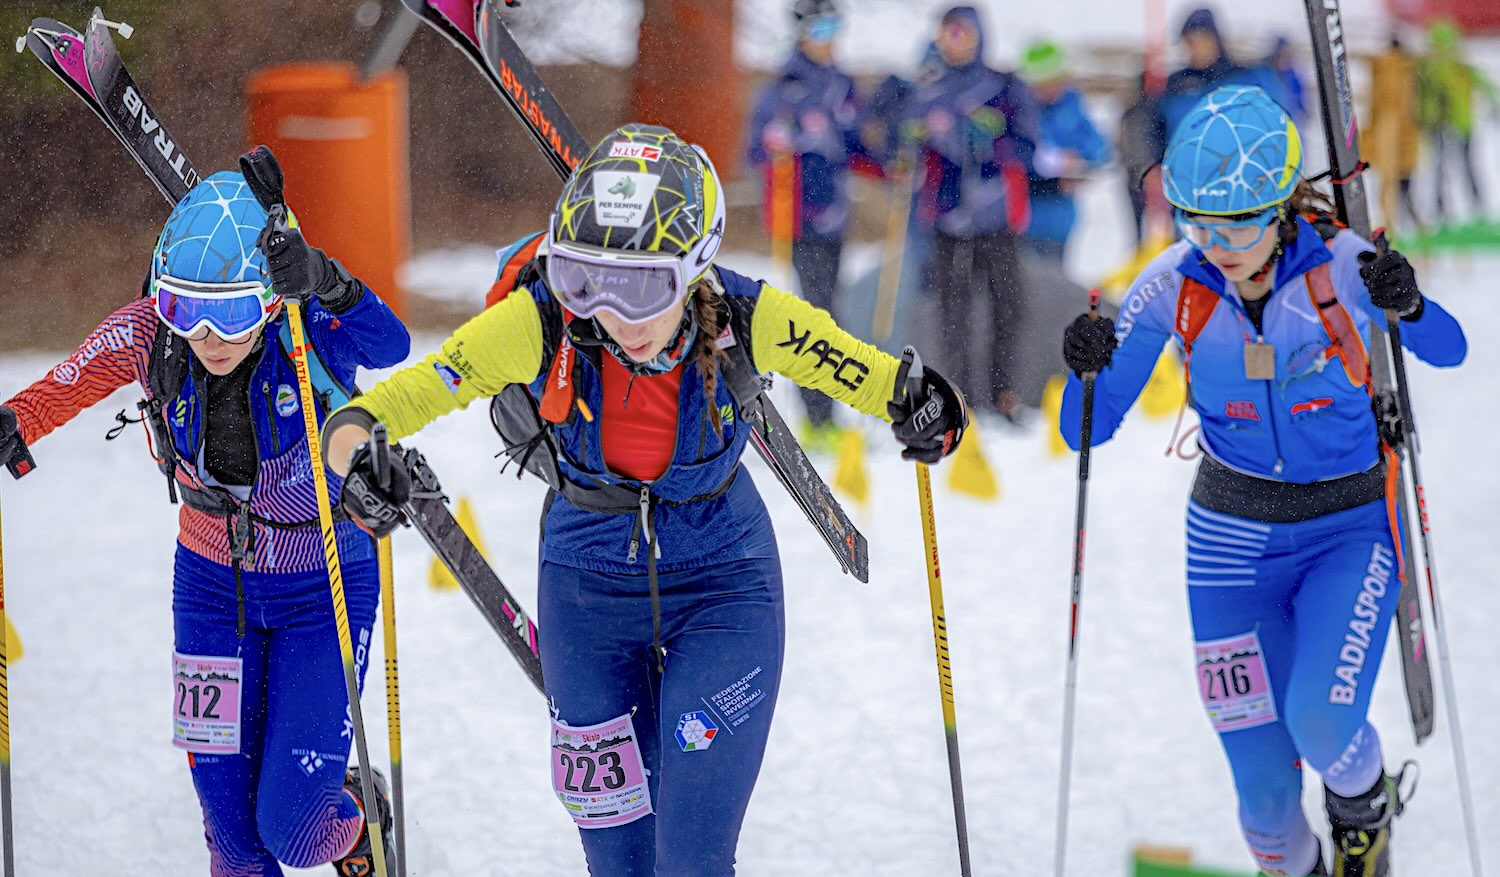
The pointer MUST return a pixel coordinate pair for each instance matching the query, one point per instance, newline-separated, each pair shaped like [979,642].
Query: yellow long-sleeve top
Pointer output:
[503,345]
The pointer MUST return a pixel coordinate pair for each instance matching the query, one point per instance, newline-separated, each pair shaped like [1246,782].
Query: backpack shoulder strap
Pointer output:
[516,262]
[1347,344]
[1195,304]
[740,375]
[325,386]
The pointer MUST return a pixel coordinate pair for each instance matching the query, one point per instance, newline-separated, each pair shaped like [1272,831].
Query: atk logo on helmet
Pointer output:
[626,149]
[622,197]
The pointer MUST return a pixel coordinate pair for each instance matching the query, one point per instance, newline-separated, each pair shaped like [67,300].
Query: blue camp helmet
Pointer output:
[1236,152]
[206,269]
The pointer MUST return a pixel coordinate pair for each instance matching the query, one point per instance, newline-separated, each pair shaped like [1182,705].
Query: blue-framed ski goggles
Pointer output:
[233,311]
[822,29]
[1234,233]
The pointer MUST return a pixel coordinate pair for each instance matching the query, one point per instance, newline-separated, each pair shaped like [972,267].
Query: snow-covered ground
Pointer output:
[855,779]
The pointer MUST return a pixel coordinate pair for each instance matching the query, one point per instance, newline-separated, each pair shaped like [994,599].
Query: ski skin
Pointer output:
[1341,128]
[430,517]
[489,44]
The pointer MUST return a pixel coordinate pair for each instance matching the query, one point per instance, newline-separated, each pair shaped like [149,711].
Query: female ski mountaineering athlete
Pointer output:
[660,590]
[260,704]
[1292,564]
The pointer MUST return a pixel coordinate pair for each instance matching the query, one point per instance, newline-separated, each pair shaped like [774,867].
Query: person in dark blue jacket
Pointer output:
[259,706]
[1209,66]
[974,131]
[1070,148]
[810,114]
[1293,565]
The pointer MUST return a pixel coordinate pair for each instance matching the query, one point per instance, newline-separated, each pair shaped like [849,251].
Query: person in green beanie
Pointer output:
[1070,149]
[1448,86]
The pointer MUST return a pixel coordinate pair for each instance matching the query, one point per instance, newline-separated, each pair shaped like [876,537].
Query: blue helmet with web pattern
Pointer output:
[1236,152]
[206,270]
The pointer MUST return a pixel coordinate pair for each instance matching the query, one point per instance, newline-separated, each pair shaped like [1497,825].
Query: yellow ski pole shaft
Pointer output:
[940,628]
[264,176]
[5,797]
[335,581]
[392,675]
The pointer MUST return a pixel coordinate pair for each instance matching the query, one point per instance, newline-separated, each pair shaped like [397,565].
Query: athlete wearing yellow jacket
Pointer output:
[659,585]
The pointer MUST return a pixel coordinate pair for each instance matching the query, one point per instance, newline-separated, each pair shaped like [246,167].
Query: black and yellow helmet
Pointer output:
[642,195]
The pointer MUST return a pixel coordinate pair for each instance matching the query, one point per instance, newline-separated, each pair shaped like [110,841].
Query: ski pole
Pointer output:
[264,175]
[1429,562]
[381,445]
[1070,693]
[913,365]
[6,801]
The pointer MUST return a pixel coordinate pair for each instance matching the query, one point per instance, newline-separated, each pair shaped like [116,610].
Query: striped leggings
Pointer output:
[1290,622]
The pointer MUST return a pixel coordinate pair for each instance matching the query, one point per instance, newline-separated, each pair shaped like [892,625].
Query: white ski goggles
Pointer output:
[233,311]
[634,286]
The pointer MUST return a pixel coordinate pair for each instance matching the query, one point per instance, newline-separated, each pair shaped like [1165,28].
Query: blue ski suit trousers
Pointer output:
[1302,609]
[281,797]
[724,631]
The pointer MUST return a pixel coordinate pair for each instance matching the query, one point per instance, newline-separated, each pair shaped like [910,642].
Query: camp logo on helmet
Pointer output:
[626,149]
[621,198]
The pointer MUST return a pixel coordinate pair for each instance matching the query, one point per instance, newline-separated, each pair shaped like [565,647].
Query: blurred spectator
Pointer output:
[809,113]
[1143,141]
[1447,86]
[1209,67]
[1070,147]
[1391,137]
[1283,64]
[974,130]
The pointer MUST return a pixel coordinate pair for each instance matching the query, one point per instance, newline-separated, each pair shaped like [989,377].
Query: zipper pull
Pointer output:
[646,513]
[634,545]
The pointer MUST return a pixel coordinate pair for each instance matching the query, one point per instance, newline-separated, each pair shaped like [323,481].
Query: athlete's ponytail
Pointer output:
[706,352]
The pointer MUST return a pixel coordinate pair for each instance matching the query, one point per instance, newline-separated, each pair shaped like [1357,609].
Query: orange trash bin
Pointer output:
[342,144]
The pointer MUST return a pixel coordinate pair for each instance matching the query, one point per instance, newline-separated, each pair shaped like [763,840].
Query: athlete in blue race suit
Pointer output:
[1292,567]
[259,703]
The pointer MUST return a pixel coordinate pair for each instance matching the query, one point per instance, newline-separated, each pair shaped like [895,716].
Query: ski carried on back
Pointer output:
[1393,406]
[90,66]
[476,28]
[1341,129]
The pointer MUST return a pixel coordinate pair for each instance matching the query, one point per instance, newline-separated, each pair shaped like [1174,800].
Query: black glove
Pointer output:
[13,452]
[928,415]
[374,498]
[1088,344]
[1392,283]
[300,271]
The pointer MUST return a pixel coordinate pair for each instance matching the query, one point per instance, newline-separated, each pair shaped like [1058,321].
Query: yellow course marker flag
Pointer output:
[969,472]
[849,474]
[438,575]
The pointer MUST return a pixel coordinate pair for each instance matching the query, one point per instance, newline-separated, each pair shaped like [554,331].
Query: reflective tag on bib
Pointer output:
[206,704]
[1234,684]
[598,773]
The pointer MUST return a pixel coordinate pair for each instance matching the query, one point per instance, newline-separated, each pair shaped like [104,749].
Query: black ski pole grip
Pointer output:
[263,172]
[21,464]
[380,451]
[911,368]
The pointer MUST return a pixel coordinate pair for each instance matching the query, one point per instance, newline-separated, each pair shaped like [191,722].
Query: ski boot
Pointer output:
[361,860]
[1362,825]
